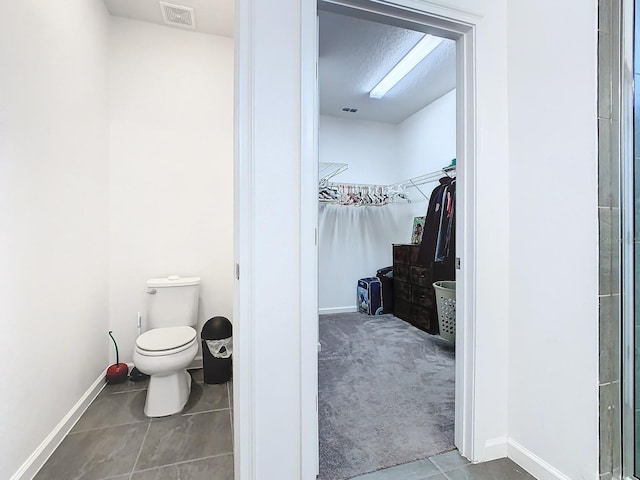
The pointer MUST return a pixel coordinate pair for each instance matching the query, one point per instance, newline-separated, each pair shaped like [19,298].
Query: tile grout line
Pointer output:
[125,391]
[182,462]
[111,477]
[444,472]
[105,427]
[439,470]
[198,413]
[144,439]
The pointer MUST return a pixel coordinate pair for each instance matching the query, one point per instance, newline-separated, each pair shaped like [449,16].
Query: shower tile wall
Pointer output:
[609,234]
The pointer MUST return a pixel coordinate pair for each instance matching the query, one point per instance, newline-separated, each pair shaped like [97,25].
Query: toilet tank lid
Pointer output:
[173,281]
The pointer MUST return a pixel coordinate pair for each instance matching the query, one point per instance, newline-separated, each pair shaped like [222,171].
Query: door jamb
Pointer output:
[627,167]
[309,337]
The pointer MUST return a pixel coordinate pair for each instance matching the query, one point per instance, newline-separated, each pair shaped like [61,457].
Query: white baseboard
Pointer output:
[324,311]
[38,458]
[533,464]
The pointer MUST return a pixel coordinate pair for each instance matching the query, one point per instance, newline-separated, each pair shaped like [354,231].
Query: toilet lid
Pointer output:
[168,338]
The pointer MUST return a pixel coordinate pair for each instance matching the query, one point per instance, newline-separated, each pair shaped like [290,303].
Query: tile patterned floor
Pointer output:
[451,466]
[114,440]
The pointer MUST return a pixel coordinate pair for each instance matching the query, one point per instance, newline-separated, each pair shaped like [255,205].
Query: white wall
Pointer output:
[553,347]
[115,166]
[427,139]
[369,148]
[170,177]
[53,216]
[426,143]
[356,242]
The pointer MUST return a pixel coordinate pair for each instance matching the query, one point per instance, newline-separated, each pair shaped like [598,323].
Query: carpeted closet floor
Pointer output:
[386,394]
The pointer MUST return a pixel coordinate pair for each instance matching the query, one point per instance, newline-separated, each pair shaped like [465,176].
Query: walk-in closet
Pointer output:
[386,234]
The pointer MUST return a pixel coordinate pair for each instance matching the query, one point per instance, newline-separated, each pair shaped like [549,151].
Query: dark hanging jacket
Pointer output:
[444,264]
[431,229]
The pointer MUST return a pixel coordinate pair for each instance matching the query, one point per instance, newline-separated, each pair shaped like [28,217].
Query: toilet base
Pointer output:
[167,394]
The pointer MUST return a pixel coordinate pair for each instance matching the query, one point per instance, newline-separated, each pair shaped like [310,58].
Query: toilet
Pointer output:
[169,346]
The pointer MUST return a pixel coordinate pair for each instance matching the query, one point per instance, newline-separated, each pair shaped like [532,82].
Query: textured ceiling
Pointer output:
[354,56]
[212,16]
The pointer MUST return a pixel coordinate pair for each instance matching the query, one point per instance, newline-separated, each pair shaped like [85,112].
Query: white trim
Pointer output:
[465,412]
[623,154]
[435,9]
[244,437]
[328,310]
[309,336]
[41,454]
[533,463]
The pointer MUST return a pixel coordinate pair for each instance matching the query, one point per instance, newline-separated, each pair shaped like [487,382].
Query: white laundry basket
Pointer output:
[446,303]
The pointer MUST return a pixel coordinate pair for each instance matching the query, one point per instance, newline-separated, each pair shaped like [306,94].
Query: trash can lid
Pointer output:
[216,328]
[168,338]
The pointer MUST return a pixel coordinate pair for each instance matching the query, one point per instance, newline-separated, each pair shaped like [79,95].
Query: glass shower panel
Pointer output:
[635,331]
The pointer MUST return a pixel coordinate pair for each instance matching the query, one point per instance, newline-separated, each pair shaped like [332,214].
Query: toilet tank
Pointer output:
[172,301]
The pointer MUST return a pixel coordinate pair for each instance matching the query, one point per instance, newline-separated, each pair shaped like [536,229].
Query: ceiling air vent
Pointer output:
[178,15]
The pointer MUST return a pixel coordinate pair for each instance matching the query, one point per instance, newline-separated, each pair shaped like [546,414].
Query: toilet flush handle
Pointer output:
[152,291]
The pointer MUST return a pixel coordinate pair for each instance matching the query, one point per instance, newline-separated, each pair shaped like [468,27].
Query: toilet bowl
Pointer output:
[164,354]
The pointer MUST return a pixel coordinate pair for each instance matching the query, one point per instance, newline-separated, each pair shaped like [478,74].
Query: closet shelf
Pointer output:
[449,171]
[358,194]
[328,170]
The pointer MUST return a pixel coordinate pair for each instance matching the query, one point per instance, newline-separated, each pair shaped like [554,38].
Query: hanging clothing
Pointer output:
[447,225]
[433,220]
[444,267]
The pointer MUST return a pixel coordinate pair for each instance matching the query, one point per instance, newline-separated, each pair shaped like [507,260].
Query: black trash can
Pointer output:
[217,350]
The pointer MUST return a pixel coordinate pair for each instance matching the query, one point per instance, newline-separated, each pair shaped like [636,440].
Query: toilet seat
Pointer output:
[165,341]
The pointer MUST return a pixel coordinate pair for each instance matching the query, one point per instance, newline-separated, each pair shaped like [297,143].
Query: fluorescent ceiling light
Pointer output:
[418,53]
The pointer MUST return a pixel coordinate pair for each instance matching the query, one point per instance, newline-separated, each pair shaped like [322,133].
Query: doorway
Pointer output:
[465,153]
[386,379]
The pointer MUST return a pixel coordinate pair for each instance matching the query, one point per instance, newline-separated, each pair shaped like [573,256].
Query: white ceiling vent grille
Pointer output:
[178,15]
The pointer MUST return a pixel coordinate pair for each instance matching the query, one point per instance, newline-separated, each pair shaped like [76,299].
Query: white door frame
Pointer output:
[462,32]
[481,369]
[627,127]
[309,332]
